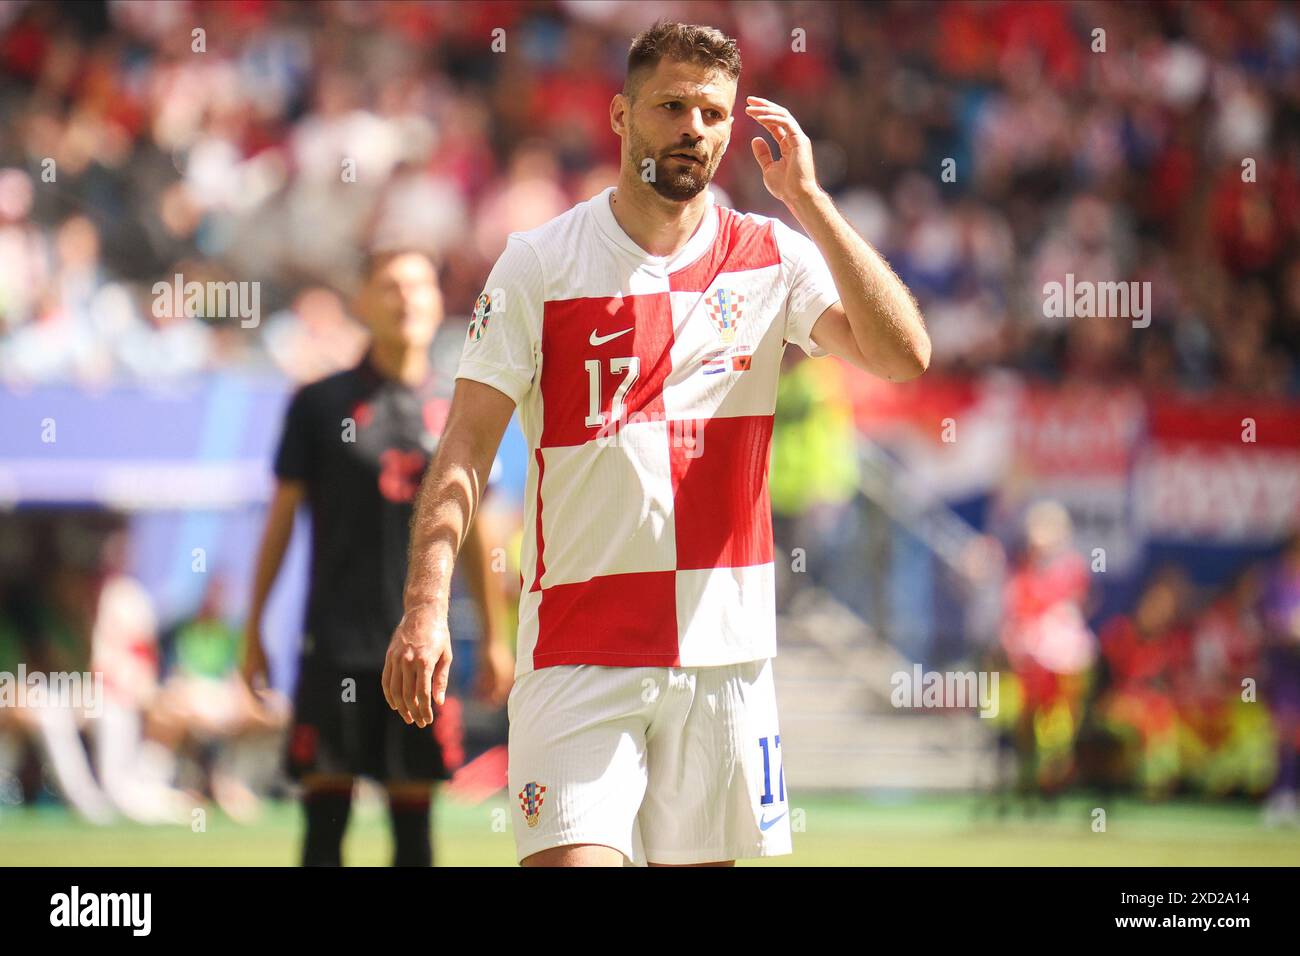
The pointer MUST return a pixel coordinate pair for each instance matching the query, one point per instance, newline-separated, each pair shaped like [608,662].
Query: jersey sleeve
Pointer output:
[294,458]
[812,289]
[504,334]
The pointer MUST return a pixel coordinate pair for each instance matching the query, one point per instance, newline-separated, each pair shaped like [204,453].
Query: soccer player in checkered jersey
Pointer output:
[640,336]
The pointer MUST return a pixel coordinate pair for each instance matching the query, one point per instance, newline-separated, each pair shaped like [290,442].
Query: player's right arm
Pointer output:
[295,468]
[275,541]
[498,367]
[419,654]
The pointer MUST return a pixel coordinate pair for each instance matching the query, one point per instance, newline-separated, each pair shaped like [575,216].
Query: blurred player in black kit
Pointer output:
[354,448]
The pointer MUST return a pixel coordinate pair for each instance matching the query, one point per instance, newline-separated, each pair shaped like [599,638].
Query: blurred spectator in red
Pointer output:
[1049,649]
[1143,653]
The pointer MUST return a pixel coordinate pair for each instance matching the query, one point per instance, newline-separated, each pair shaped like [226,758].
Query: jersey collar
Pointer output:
[705,233]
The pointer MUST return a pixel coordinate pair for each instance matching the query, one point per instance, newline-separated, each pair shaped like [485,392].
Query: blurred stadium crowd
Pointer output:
[1166,697]
[303,135]
[230,164]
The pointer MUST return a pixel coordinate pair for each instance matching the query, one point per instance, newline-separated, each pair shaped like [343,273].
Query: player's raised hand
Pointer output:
[791,177]
[417,665]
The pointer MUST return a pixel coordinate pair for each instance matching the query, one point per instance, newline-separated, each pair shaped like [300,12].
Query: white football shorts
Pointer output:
[665,764]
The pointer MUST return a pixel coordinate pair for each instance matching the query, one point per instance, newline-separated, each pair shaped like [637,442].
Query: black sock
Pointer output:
[412,845]
[327,819]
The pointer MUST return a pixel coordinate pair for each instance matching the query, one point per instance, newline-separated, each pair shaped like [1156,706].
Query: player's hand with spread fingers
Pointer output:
[417,664]
[790,177]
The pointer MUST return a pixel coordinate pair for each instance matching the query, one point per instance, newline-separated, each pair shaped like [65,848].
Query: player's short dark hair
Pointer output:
[683,42]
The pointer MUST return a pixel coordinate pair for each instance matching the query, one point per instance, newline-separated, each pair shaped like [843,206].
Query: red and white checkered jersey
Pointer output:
[646,387]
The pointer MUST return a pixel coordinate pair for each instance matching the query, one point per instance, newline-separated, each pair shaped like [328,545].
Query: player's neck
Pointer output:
[399,362]
[659,226]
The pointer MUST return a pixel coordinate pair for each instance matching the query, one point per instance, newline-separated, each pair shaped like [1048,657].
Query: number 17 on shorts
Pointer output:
[773,808]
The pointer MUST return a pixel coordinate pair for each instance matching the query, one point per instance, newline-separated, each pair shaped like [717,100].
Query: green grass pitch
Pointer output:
[830,830]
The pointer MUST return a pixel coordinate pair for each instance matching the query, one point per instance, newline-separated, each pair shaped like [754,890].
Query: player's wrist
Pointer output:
[424,607]
[805,199]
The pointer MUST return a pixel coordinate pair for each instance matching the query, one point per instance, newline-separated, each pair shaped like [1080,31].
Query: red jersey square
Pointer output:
[722,514]
[612,620]
[597,350]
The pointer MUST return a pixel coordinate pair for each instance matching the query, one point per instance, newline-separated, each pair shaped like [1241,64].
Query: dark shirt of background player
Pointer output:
[354,448]
[360,442]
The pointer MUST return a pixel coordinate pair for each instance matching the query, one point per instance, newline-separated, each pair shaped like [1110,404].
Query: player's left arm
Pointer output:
[876,325]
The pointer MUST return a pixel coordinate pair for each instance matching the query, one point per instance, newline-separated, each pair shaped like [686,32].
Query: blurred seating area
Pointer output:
[160,722]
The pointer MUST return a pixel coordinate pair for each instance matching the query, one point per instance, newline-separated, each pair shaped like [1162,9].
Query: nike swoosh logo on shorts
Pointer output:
[766,824]
[602,339]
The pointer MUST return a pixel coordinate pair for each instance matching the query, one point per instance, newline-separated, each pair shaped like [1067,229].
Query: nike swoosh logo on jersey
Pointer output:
[602,339]
[766,824]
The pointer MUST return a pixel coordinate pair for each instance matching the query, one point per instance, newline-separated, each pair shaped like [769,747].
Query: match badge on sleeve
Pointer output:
[530,801]
[724,311]
[478,322]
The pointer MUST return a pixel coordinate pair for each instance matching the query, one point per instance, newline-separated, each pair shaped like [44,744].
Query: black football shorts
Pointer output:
[342,729]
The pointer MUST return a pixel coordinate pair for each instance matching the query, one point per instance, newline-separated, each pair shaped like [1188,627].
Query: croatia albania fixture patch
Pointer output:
[530,801]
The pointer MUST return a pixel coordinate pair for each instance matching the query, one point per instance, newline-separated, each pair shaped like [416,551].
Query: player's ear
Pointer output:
[618,108]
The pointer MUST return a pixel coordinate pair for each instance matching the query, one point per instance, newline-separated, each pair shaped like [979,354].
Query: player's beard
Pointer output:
[672,179]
